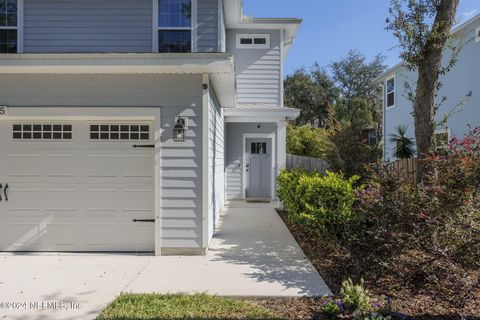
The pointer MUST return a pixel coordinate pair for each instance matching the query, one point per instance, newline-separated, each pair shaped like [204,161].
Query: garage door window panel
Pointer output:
[120,132]
[42,132]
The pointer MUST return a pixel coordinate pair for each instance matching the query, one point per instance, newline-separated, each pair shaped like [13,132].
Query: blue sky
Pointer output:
[332,27]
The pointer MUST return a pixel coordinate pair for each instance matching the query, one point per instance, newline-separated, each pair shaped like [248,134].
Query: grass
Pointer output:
[180,306]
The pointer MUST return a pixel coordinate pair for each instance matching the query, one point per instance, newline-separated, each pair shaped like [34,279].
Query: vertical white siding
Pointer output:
[216,163]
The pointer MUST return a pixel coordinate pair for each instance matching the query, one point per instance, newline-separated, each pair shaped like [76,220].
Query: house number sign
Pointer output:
[3,111]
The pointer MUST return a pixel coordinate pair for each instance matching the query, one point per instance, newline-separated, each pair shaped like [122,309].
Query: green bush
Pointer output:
[331,310]
[355,297]
[307,141]
[318,202]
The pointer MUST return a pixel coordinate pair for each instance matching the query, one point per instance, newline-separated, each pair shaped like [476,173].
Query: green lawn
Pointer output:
[179,306]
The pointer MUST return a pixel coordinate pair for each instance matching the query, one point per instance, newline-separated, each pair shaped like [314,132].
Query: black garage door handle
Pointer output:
[151,146]
[143,220]
[5,192]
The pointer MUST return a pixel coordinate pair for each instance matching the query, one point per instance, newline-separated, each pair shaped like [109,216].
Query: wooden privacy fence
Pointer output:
[406,168]
[306,163]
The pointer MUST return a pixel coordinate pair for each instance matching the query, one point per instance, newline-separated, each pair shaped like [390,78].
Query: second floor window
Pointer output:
[175,26]
[390,92]
[8,26]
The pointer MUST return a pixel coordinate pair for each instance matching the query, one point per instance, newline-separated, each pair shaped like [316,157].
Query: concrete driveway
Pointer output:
[253,255]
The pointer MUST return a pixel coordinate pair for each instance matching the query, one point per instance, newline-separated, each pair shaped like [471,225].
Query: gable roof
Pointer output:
[455,30]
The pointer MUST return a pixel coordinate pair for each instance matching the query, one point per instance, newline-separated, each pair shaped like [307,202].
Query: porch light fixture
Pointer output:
[179,130]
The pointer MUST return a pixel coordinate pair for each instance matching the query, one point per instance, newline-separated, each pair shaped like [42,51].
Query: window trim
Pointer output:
[241,36]
[387,107]
[19,27]
[156,27]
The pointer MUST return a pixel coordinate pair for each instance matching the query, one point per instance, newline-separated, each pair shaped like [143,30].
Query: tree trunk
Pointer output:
[428,79]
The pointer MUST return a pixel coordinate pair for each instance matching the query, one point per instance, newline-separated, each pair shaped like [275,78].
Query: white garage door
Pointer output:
[76,185]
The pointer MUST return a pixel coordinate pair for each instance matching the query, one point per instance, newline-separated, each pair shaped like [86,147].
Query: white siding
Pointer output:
[216,163]
[258,71]
[64,26]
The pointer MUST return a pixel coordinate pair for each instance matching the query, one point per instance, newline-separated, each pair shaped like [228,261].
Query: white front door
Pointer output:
[76,185]
[259,168]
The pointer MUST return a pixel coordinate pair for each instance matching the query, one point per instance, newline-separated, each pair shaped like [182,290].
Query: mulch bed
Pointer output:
[336,265]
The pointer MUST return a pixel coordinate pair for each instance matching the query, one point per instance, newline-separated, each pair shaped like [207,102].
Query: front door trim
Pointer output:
[244,160]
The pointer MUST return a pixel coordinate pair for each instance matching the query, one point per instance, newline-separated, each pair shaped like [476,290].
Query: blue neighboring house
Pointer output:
[127,125]
[460,87]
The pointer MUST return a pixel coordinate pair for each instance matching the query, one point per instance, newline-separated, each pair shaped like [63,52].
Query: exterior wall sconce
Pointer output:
[179,130]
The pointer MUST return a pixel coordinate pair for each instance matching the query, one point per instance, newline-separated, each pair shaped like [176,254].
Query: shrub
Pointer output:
[332,310]
[427,233]
[356,297]
[319,203]
[307,141]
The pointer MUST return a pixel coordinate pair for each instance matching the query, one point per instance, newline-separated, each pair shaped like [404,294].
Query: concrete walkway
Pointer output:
[253,254]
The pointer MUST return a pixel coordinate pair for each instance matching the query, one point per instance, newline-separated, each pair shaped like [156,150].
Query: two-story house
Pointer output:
[125,125]
[460,87]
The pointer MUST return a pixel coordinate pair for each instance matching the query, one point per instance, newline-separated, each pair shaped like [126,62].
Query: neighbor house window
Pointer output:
[390,92]
[175,26]
[8,26]
[253,41]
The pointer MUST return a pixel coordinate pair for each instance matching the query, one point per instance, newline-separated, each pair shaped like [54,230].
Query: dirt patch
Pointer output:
[336,264]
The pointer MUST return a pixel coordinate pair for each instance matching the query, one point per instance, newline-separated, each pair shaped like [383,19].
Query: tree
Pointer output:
[404,146]
[348,152]
[313,92]
[355,76]
[307,141]
[423,28]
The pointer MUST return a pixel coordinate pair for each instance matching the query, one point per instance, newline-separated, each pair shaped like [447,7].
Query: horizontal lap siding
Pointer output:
[99,90]
[181,170]
[258,71]
[207,28]
[64,26]
[216,165]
